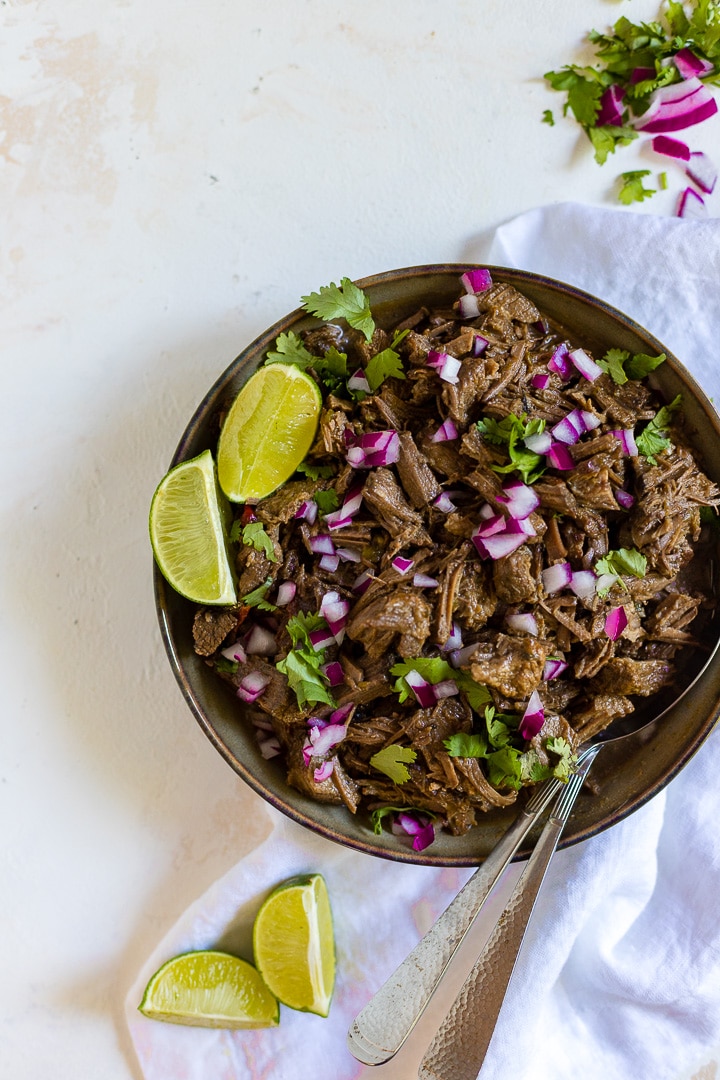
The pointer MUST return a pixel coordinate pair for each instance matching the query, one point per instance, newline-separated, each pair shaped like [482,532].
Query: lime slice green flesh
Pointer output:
[294,945]
[268,431]
[210,989]
[187,532]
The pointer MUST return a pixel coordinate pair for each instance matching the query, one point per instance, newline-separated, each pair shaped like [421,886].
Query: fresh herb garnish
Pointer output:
[548,118]
[434,670]
[621,366]
[510,431]
[289,349]
[253,534]
[393,761]
[386,364]
[343,301]
[327,501]
[381,812]
[622,561]
[302,664]
[315,472]
[631,188]
[223,663]
[653,439]
[257,598]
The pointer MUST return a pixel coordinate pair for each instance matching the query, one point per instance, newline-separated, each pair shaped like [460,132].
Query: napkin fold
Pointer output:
[619,976]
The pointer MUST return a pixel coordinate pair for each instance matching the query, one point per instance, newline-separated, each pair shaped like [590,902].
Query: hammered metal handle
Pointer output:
[458,1050]
[378,1032]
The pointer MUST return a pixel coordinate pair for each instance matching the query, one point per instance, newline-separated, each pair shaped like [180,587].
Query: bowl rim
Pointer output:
[258,345]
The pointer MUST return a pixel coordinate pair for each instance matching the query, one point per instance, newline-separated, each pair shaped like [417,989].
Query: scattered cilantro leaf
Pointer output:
[632,189]
[327,501]
[653,439]
[300,626]
[223,663]
[434,669]
[393,761]
[253,534]
[315,472]
[504,768]
[377,815]
[663,181]
[622,561]
[511,431]
[289,349]
[564,751]
[641,364]
[343,301]
[463,745]
[386,364]
[331,368]
[606,140]
[258,597]
[584,88]
[621,366]
[304,677]
[548,118]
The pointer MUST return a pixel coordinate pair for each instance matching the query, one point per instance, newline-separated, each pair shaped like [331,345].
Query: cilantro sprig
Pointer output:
[618,562]
[258,597]
[631,187]
[435,670]
[510,432]
[253,535]
[386,364]
[653,439]
[330,368]
[343,301]
[302,664]
[393,761]
[620,365]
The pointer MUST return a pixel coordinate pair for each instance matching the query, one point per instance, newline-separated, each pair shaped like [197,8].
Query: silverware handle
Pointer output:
[378,1032]
[458,1050]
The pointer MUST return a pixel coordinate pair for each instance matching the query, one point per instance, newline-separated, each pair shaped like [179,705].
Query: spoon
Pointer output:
[381,1028]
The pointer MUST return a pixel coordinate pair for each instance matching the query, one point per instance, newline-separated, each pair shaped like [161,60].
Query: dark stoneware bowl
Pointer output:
[629,772]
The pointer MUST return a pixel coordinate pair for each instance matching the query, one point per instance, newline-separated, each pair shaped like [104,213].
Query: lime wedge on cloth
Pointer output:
[187,532]
[294,945]
[210,989]
[268,431]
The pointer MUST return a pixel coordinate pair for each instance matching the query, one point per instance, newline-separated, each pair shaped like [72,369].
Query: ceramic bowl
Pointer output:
[629,772]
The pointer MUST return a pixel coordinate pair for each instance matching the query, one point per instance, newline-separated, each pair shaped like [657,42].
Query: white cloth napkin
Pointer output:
[619,977]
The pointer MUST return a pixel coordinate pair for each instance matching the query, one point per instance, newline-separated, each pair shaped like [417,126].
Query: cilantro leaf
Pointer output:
[632,189]
[304,677]
[344,301]
[377,815]
[564,751]
[386,364]
[223,663]
[392,760]
[584,88]
[327,501]
[300,626]
[463,745]
[257,598]
[641,364]
[504,768]
[622,561]
[315,472]
[289,349]
[606,140]
[511,430]
[613,362]
[253,534]
[653,440]
[331,368]
[548,118]
[434,669]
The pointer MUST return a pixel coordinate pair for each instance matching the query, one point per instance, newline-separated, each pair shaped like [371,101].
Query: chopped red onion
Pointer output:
[677,106]
[610,113]
[626,438]
[420,828]
[625,499]
[459,657]
[252,686]
[321,639]
[479,345]
[455,639]
[615,623]
[689,64]
[322,738]
[641,74]
[286,593]
[269,748]
[446,432]
[329,563]
[583,583]
[401,564]
[342,713]
[358,381]
[356,457]
[476,281]
[335,613]
[422,689]
[533,718]
[498,546]
[334,673]
[348,555]
[322,544]
[702,171]
[422,581]
[260,642]
[556,577]
[335,521]
[352,502]
[560,457]
[468,307]
[444,503]
[663,144]
[540,380]
[606,581]
[519,498]
[523,621]
[691,205]
[449,370]
[324,771]
[445,689]
[585,365]
[362,582]
[307,511]
[574,424]
[559,362]
[486,511]
[540,443]
[375,448]
[234,652]
[520,525]
[491,526]
[553,668]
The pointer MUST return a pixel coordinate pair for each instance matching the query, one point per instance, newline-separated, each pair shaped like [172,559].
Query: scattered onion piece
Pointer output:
[626,438]
[702,171]
[446,432]
[321,639]
[423,690]
[559,457]
[444,503]
[553,668]
[673,148]
[362,582]
[559,362]
[691,205]
[625,499]
[533,718]
[556,577]
[585,365]
[234,652]
[468,307]
[334,673]
[455,639]
[401,564]
[689,64]
[286,593]
[519,499]
[498,546]
[423,581]
[322,544]
[260,642]
[677,106]
[252,687]
[420,828]
[540,380]
[479,345]
[583,583]
[615,623]
[358,381]
[610,113]
[307,511]
[540,443]
[269,747]
[524,621]
[348,555]
[324,771]
[476,281]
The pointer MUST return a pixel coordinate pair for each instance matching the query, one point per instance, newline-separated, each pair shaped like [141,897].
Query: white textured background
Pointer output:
[173,176]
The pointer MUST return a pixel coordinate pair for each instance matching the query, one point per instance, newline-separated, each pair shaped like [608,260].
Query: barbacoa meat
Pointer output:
[420,594]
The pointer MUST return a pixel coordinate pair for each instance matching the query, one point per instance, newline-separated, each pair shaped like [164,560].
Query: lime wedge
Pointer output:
[294,945]
[210,989]
[268,431]
[187,532]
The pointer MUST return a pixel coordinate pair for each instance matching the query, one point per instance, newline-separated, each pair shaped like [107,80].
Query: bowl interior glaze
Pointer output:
[629,772]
